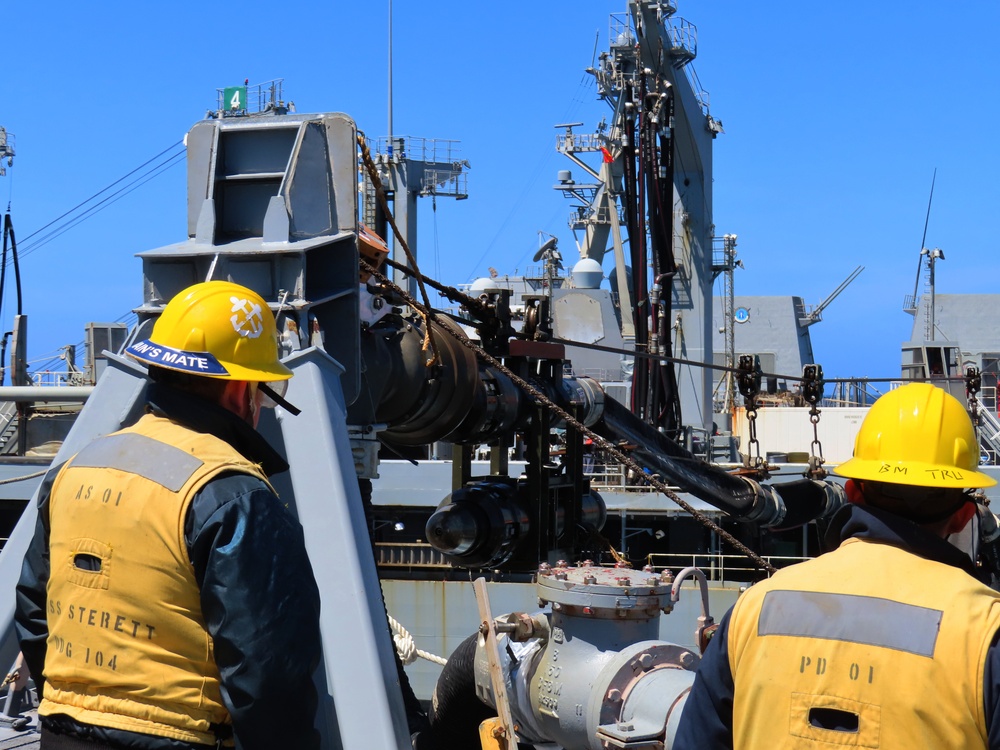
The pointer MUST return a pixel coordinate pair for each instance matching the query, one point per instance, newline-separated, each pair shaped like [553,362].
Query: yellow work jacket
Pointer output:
[865,647]
[127,646]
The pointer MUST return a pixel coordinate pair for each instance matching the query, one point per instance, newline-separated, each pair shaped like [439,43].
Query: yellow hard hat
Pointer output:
[216,329]
[919,435]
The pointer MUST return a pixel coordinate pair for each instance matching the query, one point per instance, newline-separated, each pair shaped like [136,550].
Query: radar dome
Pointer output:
[483,285]
[587,274]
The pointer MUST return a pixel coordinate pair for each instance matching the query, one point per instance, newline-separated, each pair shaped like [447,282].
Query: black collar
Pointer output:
[865,522]
[201,415]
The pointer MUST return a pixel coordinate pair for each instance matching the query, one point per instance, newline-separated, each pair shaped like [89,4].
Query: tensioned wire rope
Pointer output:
[72,219]
[148,170]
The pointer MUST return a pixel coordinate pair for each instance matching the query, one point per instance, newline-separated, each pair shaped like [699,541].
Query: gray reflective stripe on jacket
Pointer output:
[151,459]
[852,619]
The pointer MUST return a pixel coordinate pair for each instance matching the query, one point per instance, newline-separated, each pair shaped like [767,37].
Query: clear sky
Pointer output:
[835,118]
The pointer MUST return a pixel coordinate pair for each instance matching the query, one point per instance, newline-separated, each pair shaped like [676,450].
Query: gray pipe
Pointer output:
[28,393]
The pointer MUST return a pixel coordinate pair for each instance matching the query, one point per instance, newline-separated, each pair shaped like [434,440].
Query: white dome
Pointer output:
[587,274]
[482,285]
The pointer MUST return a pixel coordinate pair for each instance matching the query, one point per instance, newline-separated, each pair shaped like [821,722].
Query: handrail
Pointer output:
[715,566]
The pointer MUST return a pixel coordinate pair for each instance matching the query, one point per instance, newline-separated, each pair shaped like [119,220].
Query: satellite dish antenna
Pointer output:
[548,250]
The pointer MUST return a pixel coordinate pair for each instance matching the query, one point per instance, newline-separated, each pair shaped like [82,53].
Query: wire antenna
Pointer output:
[910,305]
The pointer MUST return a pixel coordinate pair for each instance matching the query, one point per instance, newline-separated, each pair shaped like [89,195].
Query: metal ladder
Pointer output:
[989,432]
[8,424]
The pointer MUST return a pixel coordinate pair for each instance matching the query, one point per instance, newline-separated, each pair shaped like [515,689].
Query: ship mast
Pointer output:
[410,168]
[655,182]
[390,72]
[6,150]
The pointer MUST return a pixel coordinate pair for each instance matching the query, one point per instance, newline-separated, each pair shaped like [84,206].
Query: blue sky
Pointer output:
[836,117]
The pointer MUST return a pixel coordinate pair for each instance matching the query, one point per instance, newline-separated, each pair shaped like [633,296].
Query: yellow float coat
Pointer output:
[128,647]
[868,631]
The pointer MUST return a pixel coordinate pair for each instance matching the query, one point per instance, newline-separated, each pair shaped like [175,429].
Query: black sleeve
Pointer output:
[29,609]
[261,607]
[707,720]
[991,693]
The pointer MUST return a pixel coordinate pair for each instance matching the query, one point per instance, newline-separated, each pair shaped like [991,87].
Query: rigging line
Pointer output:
[456,295]
[598,440]
[92,211]
[107,202]
[473,304]
[723,368]
[540,164]
[58,218]
[13,255]
[429,344]
[531,251]
[923,239]
[45,359]
[51,358]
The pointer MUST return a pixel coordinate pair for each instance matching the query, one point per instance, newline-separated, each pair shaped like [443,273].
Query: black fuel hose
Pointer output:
[784,505]
[661,455]
[806,500]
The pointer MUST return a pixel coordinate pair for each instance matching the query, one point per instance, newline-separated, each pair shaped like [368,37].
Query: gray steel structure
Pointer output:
[273,205]
[412,168]
[774,328]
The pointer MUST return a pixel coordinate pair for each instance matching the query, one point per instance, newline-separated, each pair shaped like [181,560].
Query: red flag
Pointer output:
[608,158]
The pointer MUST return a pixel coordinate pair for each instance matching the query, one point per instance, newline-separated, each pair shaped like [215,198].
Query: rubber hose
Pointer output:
[456,711]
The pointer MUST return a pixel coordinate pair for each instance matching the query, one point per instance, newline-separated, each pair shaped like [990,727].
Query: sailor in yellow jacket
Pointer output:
[167,600]
[889,641]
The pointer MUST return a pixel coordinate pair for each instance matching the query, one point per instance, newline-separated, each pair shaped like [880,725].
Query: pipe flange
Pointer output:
[597,592]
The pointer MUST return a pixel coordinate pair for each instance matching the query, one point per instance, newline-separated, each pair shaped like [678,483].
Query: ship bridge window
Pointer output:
[935,361]
[941,361]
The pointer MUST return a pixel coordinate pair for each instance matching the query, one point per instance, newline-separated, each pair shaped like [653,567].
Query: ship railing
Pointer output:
[408,555]
[580,142]
[700,94]
[609,477]
[988,398]
[447,182]
[718,567]
[598,373]
[541,274]
[613,476]
[854,392]
[683,37]
[582,216]
[58,378]
[428,150]
[261,97]
[622,33]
